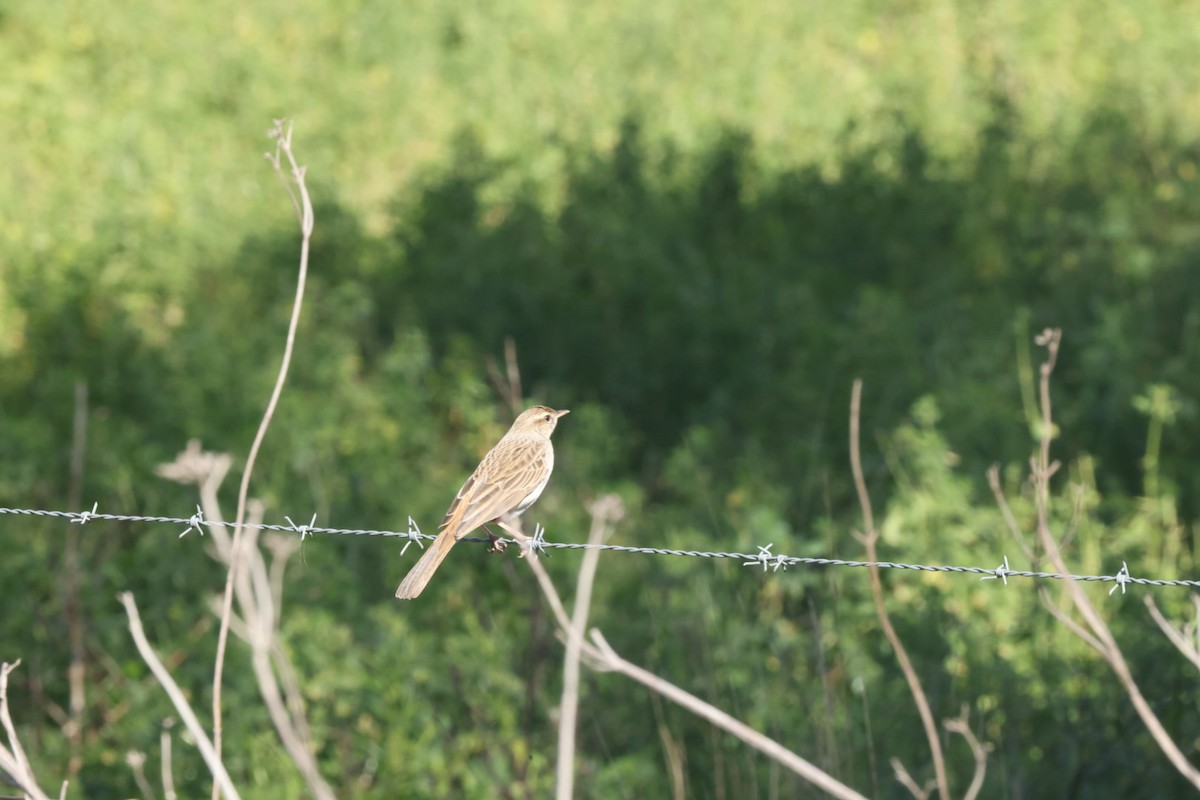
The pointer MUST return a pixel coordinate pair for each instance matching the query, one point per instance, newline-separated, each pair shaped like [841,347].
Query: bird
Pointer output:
[507,481]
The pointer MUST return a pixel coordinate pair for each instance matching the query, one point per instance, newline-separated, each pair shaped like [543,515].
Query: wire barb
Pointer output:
[303,530]
[1002,573]
[764,557]
[194,523]
[84,517]
[414,535]
[1122,578]
[536,544]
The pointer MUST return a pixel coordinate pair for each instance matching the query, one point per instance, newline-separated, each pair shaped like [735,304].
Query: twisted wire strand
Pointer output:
[763,558]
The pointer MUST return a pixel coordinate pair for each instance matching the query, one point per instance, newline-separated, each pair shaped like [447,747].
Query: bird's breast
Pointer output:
[532,497]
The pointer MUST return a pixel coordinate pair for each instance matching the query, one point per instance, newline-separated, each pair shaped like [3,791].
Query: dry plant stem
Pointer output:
[268,658]
[1043,468]
[675,762]
[207,751]
[76,675]
[168,776]
[1177,635]
[716,716]
[869,538]
[906,780]
[1010,519]
[284,548]
[605,513]
[508,385]
[259,602]
[283,141]
[602,658]
[979,751]
[259,594]
[13,761]
[1071,625]
[137,763]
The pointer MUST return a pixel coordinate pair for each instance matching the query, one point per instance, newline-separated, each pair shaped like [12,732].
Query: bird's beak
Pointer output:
[562,413]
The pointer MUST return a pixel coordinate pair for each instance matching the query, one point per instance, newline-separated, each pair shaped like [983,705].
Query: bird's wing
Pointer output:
[504,478]
[461,500]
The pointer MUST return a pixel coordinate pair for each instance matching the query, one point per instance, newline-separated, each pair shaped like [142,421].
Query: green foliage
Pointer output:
[698,225]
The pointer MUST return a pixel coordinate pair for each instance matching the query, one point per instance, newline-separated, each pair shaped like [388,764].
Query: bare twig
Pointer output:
[136,760]
[508,383]
[72,578]
[606,512]
[282,134]
[993,477]
[907,781]
[716,716]
[182,707]
[1073,626]
[13,760]
[1080,493]
[168,774]
[1185,640]
[1042,470]
[869,539]
[283,548]
[259,594]
[979,750]
[673,752]
[598,655]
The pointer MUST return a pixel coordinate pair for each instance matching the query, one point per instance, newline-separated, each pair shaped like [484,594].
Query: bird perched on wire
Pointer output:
[507,481]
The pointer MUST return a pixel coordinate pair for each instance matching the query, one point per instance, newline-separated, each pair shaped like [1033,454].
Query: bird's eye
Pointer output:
[547,418]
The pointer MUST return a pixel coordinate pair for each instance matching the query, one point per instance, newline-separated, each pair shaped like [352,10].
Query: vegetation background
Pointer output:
[699,222]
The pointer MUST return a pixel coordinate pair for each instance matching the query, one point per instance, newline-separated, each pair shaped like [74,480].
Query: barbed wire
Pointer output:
[763,558]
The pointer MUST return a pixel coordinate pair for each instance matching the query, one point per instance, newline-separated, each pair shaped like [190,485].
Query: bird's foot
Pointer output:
[498,545]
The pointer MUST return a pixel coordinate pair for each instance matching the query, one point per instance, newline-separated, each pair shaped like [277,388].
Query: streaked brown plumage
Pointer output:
[507,481]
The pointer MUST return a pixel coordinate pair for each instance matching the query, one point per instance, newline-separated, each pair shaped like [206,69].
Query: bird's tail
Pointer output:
[416,579]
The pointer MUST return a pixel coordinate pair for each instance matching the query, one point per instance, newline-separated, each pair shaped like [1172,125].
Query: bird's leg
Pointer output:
[515,532]
[498,545]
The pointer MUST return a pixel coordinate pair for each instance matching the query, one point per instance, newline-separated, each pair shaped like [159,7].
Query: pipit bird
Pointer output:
[508,480]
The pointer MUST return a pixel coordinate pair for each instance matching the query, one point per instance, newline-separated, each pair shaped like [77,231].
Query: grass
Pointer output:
[145,127]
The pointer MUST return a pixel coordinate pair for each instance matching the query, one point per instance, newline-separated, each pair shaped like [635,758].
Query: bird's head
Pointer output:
[539,419]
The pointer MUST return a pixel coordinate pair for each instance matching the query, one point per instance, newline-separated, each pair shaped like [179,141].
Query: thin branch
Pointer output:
[13,760]
[1043,469]
[869,538]
[260,629]
[716,716]
[72,580]
[259,594]
[1178,636]
[207,751]
[283,549]
[673,753]
[993,478]
[136,760]
[606,512]
[168,775]
[1076,515]
[508,384]
[1073,626]
[283,150]
[979,750]
[856,470]
[598,655]
[907,781]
